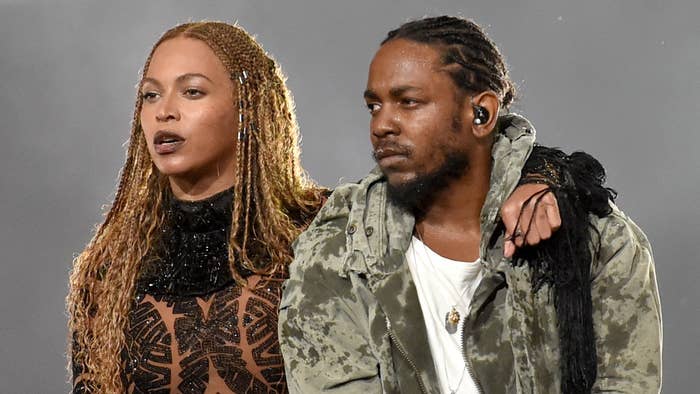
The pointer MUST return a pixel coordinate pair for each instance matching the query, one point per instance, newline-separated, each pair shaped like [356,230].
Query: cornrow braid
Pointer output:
[273,201]
[473,60]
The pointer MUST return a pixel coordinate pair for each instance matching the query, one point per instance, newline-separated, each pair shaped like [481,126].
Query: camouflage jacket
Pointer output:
[351,322]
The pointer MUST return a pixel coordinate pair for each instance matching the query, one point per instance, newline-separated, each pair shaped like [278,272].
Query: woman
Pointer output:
[178,289]
[154,302]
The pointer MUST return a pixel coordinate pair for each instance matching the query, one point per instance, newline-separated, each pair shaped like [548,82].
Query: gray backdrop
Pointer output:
[618,79]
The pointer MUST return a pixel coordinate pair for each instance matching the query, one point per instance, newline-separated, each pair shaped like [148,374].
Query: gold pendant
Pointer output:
[452,320]
[453,316]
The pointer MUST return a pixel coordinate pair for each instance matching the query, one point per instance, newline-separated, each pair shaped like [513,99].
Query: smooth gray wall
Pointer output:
[619,79]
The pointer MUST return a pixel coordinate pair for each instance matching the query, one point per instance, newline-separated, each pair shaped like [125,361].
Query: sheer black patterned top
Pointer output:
[193,328]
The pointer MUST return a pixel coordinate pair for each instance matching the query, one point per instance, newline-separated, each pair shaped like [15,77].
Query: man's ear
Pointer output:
[484,113]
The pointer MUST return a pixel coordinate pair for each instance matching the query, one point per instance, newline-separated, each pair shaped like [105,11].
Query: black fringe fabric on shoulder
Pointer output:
[564,261]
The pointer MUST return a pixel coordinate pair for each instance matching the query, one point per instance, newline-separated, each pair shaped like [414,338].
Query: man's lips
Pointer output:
[166,142]
[393,152]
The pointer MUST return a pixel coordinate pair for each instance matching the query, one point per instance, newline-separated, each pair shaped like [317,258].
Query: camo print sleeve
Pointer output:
[627,313]
[328,345]
[323,322]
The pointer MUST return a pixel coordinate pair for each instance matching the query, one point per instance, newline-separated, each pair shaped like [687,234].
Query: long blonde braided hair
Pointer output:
[274,200]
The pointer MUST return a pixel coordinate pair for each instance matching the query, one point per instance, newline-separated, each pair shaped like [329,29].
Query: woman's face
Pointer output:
[188,116]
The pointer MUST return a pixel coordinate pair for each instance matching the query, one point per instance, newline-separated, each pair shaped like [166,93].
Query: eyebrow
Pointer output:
[181,78]
[393,92]
[370,95]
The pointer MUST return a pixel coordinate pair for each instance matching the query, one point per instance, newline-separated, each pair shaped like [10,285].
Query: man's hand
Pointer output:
[531,215]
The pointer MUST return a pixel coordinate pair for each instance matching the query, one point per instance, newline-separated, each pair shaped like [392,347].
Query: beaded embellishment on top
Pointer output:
[192,255]
[193,328]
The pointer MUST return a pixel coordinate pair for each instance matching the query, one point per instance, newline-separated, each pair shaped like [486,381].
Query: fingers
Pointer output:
[523,231]
[532,233]
[508,248]
[509,214]
[552,208]
[547,219]
[541,222]
[530,215]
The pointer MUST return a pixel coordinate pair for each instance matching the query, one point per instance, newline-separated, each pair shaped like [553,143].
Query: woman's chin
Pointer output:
[172,165]
[174,171]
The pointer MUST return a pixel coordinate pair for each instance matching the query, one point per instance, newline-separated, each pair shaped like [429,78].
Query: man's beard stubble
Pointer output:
[419,193]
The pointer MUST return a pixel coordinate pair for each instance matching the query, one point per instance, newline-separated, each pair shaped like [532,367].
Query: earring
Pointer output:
[481,114]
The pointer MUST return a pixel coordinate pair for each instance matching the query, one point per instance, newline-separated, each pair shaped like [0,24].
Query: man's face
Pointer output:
[418,124]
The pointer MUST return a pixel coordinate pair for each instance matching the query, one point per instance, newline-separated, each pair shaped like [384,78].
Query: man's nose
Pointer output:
[384,123]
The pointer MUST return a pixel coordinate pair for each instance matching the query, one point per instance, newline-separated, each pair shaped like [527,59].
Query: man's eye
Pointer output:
[372,107]
[409,102]
[193,93]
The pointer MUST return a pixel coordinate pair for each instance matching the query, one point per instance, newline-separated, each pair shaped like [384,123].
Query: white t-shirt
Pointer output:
[443,283]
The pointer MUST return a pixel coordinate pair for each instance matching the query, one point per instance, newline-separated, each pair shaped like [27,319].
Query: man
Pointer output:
[401,285]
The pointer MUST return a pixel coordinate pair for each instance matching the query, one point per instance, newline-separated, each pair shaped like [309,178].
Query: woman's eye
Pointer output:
[193,93]
[149,96]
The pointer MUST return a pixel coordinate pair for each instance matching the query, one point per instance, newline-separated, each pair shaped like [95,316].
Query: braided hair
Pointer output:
[273,201]
[473,60]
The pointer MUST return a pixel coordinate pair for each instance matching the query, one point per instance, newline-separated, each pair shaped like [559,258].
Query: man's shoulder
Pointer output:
[617,226]
[344,197]
[325,238]
[615,232]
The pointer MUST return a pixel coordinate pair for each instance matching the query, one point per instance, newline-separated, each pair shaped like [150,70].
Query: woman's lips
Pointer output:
[168,147]
[166,142]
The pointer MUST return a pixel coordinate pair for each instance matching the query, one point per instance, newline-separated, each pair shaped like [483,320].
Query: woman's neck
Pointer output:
[186,190]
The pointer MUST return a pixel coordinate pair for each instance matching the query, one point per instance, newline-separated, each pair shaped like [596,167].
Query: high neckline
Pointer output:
[191,257]
[203,215]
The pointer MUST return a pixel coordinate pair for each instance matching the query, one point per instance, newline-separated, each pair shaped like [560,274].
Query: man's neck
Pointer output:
[451,225]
